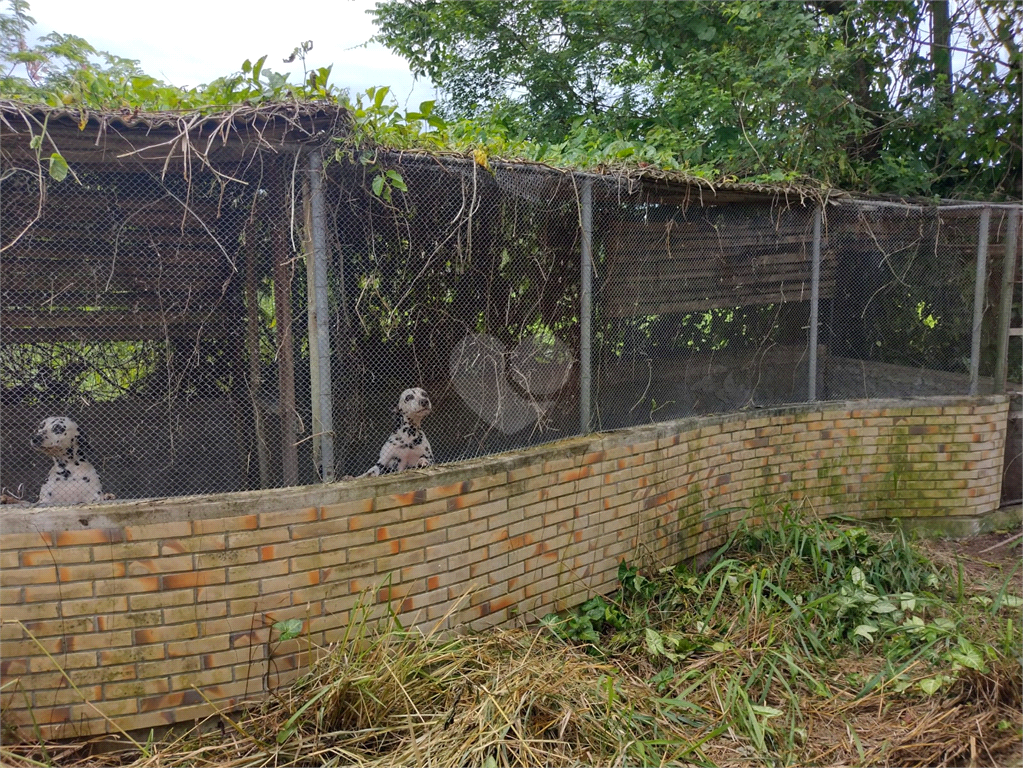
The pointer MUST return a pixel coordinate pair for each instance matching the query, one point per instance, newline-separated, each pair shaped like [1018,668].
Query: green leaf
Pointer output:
[378,185]
[707,33]
[766,711]
[930,685]
[257,68]
[655,645]
[913,623]
[37,141]
[968,655]
[866,630]
[289,629]
[901,684]
[397,181]
[663,677]
[58,167]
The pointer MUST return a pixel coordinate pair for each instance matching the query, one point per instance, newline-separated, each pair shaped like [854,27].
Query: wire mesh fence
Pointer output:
[122,312]
[256,328]
[901,322]
[466,285]
[700,308]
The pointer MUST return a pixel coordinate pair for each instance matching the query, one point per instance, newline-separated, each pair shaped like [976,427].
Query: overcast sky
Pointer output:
[189,42]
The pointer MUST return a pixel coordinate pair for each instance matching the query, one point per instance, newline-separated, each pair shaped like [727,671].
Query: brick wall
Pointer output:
[145,604]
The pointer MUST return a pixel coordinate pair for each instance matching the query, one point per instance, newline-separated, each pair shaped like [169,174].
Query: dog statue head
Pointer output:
[413,405]
[59,438]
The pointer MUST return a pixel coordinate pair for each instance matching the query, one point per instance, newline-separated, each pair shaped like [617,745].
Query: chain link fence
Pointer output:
[123,311]
[466,285]
[901,322]
[700,307]
[254,326]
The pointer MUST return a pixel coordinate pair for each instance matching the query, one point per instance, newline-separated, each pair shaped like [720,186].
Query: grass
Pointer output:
[812,642]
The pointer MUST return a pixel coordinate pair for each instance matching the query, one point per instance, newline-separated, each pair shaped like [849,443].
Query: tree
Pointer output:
[65,70]
[841,91]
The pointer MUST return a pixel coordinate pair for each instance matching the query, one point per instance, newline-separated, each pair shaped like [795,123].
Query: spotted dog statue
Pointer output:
[72,478]
[407,447]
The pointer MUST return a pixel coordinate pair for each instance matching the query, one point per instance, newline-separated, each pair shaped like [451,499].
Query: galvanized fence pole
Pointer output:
[585,306]
[1009,260]
[314,357]
[815,292]
[319,322]
[978,299]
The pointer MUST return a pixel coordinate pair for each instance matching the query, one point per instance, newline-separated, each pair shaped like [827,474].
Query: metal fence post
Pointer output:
[978,299]
[585,306]
[319,322]
[1009,259]
[314,357]
[815,292]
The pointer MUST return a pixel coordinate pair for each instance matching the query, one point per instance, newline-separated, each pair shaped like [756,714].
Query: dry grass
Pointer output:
[749,686]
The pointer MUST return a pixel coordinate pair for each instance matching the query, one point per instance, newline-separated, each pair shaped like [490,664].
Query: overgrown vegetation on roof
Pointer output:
[851,95]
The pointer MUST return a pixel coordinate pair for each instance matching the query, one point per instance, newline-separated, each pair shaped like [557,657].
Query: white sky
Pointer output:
[190,42]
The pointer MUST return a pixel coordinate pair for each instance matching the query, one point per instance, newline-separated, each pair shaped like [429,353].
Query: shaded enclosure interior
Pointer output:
[160,296]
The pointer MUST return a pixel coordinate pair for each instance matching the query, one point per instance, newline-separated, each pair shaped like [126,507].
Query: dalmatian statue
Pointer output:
[407,447]
[72,479]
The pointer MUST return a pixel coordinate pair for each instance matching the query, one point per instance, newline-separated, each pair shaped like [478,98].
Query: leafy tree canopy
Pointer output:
[65,70]
[912,98]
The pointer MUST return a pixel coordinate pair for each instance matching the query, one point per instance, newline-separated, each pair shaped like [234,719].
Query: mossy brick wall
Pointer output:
[144,605]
